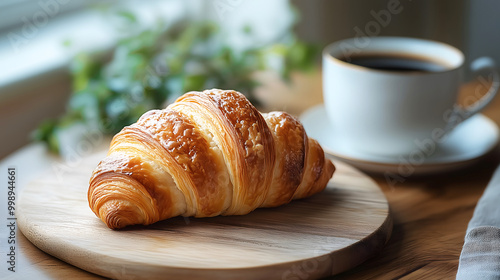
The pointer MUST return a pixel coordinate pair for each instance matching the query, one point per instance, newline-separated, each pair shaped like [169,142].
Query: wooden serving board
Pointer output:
[328,233]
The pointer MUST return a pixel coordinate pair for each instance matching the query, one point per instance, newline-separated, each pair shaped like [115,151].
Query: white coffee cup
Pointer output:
[387,112]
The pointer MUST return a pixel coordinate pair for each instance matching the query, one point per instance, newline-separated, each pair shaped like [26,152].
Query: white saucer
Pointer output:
[464,146]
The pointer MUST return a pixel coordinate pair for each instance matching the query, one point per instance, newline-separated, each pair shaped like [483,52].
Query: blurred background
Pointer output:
[70,69]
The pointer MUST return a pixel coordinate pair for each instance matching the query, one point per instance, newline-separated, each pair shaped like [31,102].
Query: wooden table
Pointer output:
[430,218]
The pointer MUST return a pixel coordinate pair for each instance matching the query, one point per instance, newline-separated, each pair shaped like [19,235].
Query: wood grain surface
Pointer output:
[310,238]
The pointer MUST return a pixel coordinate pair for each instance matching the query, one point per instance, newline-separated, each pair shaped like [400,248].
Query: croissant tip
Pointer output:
[331,168]
[113,220]
[118,217]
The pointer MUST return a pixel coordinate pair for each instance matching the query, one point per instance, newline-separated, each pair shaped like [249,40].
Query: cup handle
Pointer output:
[459,112]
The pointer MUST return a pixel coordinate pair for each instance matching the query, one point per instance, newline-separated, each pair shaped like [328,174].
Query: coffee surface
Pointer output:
[396,63]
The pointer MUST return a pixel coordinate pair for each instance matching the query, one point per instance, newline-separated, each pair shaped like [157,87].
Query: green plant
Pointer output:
[156,65]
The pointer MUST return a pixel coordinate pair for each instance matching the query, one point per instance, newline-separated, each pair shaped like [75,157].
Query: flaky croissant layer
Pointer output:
[209,153]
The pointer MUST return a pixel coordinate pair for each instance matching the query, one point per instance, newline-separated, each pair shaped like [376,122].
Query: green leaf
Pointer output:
[67,43]
[128,16]
[84,70]
[194,82]
[46,132]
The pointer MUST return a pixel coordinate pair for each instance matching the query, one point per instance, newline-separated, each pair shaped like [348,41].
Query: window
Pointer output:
[17,13]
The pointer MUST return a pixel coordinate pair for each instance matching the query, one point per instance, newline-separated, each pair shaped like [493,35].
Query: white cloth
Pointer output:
[480,257]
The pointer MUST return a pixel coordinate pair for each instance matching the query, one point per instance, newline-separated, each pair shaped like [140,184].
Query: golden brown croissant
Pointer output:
[209,153]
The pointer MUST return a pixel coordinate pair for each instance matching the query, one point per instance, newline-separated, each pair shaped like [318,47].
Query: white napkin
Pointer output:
[480,257]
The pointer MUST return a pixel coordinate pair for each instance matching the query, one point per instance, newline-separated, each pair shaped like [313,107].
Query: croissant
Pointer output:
[209,153]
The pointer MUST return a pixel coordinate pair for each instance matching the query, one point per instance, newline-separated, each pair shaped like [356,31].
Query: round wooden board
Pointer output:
[323,235]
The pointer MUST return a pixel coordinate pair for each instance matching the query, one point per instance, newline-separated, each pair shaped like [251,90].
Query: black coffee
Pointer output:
[399,63]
